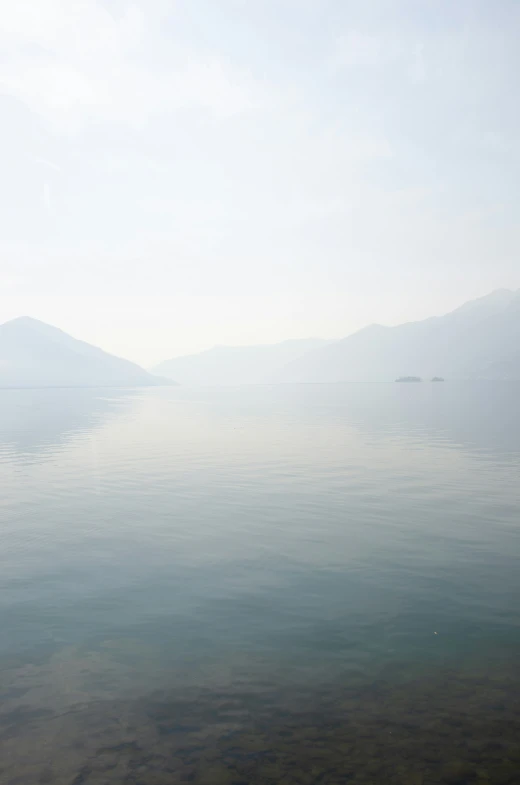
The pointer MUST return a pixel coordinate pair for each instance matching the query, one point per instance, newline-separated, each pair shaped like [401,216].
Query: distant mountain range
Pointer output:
[234,365]
[34,354]
[481,339]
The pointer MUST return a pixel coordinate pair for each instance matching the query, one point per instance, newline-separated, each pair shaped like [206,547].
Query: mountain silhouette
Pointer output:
[480,339]
[231,365]
[35,354]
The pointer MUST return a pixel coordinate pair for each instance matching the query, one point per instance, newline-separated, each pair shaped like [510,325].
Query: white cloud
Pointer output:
[48,164]
[357,49]
[74,63]
[47,197]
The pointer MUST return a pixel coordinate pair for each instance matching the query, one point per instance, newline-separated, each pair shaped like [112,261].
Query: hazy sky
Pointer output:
[180,173]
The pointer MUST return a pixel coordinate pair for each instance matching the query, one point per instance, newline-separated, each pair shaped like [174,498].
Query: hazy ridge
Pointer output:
[232,365]
[35,354]
[480,339]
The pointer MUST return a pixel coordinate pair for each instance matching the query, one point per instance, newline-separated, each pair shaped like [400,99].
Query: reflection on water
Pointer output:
[32,421]
[273,585]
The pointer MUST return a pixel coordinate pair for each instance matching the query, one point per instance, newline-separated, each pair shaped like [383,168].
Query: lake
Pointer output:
[279,584]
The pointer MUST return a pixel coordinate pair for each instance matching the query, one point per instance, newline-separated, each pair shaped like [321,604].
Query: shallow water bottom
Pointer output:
[83,718]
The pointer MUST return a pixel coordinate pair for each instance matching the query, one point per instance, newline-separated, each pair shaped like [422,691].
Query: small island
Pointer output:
[437,379]
[409,379]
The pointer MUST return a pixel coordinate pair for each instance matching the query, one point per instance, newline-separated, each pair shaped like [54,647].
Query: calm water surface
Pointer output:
[293,584]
